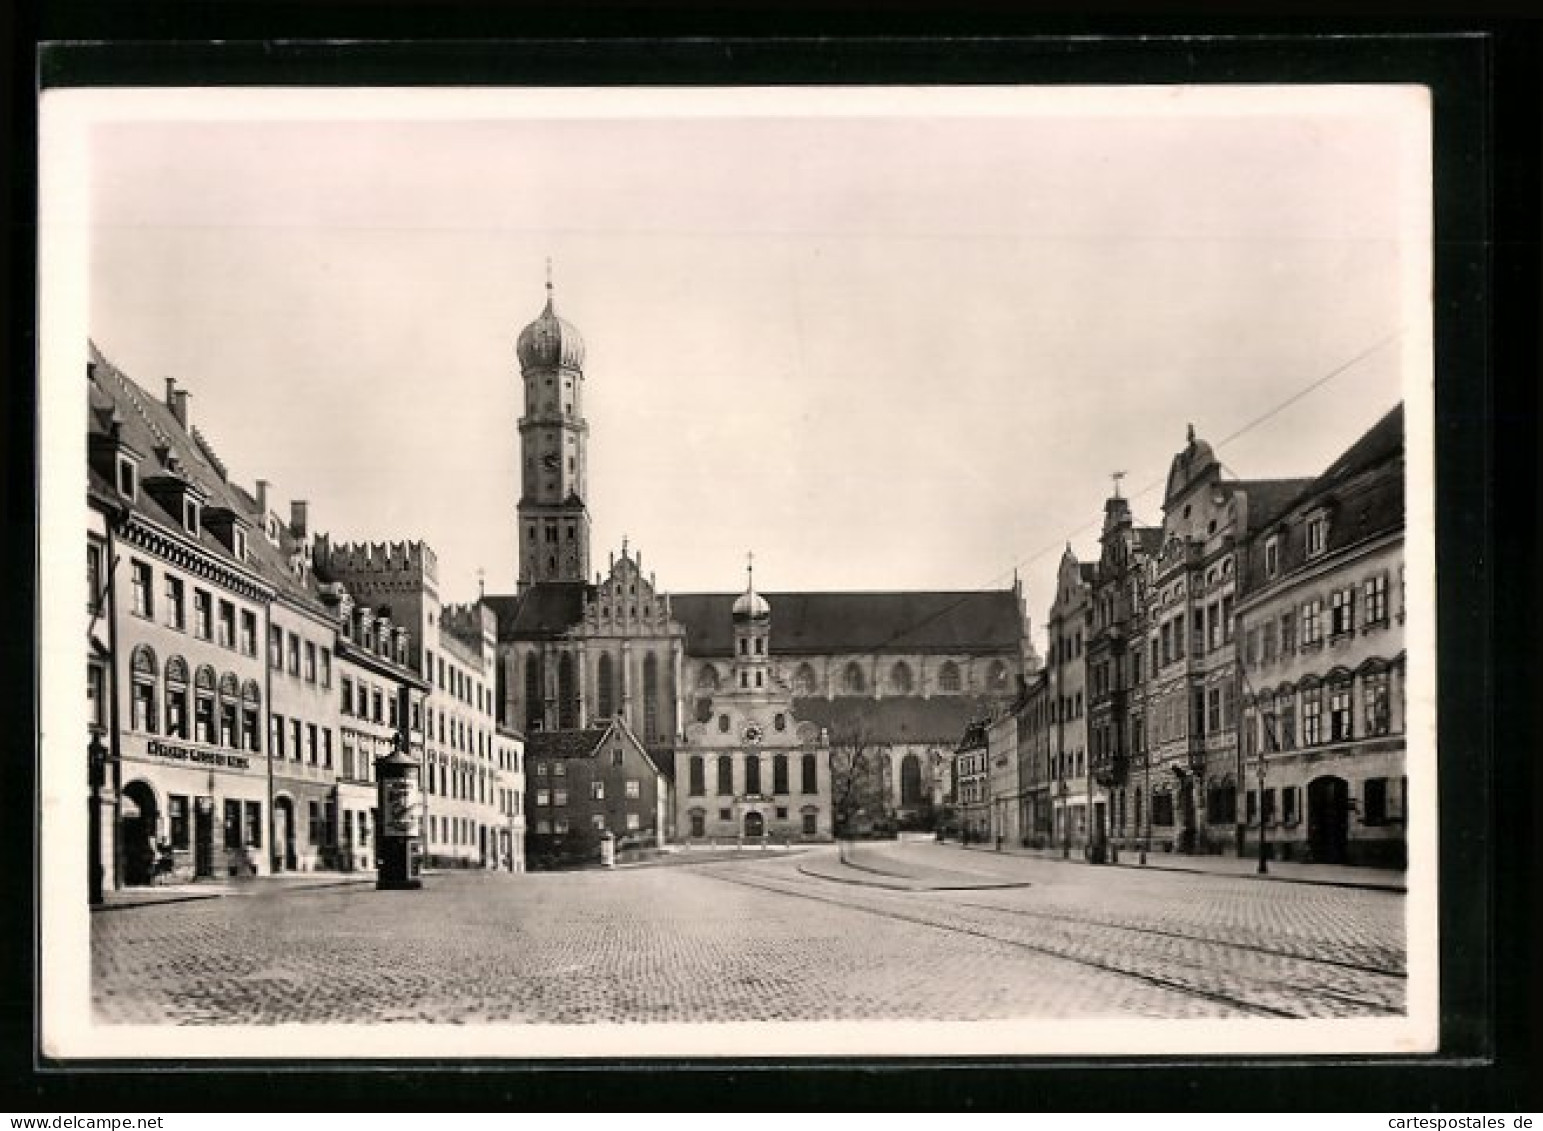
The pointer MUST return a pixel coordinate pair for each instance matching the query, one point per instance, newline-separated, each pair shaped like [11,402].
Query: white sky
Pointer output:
[886,342]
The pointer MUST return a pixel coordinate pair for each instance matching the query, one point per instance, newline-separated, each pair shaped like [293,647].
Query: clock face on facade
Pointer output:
[753,732]
[550,461]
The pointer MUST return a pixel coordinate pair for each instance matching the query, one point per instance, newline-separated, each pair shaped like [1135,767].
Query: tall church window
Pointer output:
[707,678]
[651,697]
[535,709]
[698,776]
[810,774]
[852,679]
[725,775]
[752,773]
[803,680]
[567,693]
[606,679]
[900,678]
[948,676]
[779,773]
[910,780]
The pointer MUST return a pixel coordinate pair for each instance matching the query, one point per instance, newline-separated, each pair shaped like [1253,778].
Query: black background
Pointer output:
[1487,95]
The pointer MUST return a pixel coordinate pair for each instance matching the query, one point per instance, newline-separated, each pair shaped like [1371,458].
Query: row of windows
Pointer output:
[207,709]
[213,619]
[1366,602]
[369,703]
[1210,627]
[317,661]
[751,774]
[854,680]
[632,789]
[698,819]
[469,690]
[300,741]
[1315,536]
[558,826]
[243,823]
[1314,713]
[452,778]
[454,831]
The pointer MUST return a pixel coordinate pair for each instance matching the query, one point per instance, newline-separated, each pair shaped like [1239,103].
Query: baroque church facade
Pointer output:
[896,674]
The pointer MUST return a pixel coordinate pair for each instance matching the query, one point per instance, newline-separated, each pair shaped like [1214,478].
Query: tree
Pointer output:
[859,803]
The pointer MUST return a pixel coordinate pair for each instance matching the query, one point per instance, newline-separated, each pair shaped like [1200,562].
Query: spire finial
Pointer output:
[481,582]
[1117,476]
[1191,435]
[624,545]
[549,274]
[750,570]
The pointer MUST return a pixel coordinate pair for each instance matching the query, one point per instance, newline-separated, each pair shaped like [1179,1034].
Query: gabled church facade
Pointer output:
[900,672]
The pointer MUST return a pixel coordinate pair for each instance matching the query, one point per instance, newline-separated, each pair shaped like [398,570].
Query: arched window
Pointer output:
[948,676]
[998,676]
[251,711]
[779,773]
[725,775]
[900,678]
[707,678]
[203,705]
[230,717]
[567,693]
[698,776]
[852,680]
[651,697]
[535,709]
[810,774]
[803,680]
[910,780]
[605,678]
[177,697]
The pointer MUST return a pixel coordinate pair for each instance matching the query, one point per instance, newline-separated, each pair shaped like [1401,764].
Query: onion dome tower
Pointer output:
[752,635]
[553,519]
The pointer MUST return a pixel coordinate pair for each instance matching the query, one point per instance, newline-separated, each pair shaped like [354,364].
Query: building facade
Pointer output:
[1321,619]
[589,785]
[897,673]
[972,777]
[1071,784]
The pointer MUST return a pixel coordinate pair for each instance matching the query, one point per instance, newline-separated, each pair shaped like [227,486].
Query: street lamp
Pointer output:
[1264,866]
[96,760]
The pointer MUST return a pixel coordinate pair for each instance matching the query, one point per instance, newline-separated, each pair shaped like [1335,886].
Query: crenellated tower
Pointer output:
[553,518]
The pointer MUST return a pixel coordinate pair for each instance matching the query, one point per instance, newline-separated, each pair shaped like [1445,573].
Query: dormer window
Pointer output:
[128,479]
[1272,556]
[240,544]
[1317,533]
[190,515]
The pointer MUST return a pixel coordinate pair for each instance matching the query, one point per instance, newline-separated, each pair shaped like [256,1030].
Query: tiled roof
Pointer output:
[824,623]
[1269,498]
[1383,441]
[941,719]
[147,424]
[564,743]
[547,609]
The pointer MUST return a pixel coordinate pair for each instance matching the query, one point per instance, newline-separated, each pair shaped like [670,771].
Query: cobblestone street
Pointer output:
[907,931]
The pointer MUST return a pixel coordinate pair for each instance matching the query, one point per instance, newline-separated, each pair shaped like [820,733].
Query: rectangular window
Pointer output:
[375,704]
[1289,805]
[229,725]
[96,696]
[1312,710]
[227,625]
[1271,556]
[176,613]
[1214,616]
[203,718]
[597,791]
[597,822]
[1197,633]
[254,824]
[559,769]
[94,556]
[295,739]
[294,654]
[177,819]
[810,827]
[1339,713]
[1251,647]
[203,615]
[326,667]
[1377,704]
[1214,710]
[633,823]
[326,749]
[310,662]
[249,729]
[275,647]
[141,578]
[348,696]
[1342,611]
[276,738]
[1227,619]
[634,789]
[1288,633]
[1375,595]
[1375,805]
[248,632]
[1267,641]
[559,797]
[1317,535]
[311,743]
[1311,629]
[543,828]
[560,826]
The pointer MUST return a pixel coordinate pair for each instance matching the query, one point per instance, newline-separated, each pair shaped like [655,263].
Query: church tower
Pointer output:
[752,637]
[553,520]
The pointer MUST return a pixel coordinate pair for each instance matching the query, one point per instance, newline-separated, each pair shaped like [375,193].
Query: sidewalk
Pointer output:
[1245,867]
[218,888]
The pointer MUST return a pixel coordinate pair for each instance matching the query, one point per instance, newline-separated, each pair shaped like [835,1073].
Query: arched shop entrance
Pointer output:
[137,832]
[755,825]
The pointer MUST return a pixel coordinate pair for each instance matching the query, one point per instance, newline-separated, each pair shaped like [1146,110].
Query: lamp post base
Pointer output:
[392,884]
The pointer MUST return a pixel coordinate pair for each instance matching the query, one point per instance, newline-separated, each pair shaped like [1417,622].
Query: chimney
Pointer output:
[262,499]
[297,516]
[171,392]
[177,401]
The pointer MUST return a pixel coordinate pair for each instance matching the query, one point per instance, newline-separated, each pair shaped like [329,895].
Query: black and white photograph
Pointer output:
[692,572]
